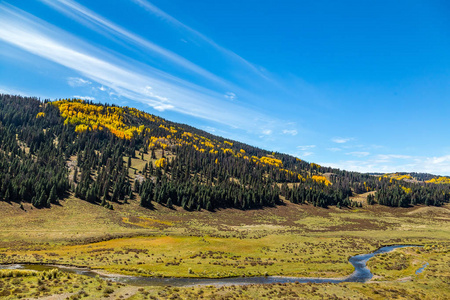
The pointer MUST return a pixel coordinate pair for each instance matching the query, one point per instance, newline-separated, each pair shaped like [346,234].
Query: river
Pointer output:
[361,274]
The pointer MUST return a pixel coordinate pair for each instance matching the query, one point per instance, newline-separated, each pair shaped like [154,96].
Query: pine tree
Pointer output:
[52,197]
[75,174]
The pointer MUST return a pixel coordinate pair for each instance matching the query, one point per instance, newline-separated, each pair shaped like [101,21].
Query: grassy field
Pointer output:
[18,284]
[292,240]
[432,284]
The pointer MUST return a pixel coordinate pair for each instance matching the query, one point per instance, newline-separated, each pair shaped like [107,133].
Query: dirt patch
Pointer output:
[54,297]
[430,210]
[124,293]
[405,279]
[361,198]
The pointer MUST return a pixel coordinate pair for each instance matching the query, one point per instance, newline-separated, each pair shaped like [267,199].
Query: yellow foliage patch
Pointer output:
[397,176]
[227,150]
[317,166]
[92,117]
[81,128]
[439,180]
[40,115]
[407,190]
[186,134]
[271,161]
[161,163]
[321,179]
[141,114]
[170,129]
[208,144]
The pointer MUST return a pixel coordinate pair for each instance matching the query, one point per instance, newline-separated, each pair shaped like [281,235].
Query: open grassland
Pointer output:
[78,221]
[431,284]
[290,240]
[52,284]
[179,256]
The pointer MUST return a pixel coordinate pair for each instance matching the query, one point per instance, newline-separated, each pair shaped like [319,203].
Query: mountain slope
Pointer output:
[108,154]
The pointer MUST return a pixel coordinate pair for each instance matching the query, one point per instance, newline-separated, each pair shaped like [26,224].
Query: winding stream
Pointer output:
[423,268]
[361,274]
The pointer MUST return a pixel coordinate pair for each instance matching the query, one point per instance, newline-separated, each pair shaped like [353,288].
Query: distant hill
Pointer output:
[406,175]
[413,176]
[106,154]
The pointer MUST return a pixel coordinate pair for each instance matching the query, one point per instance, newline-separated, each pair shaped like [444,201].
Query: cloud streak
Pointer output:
[358,153]
[340,140]
[306,154]
[84,97]
[145,84]
[307,147]
[154,10]
[77,82]
[389,163]
[230,96]
[12,91]
[292,132]
[89,18]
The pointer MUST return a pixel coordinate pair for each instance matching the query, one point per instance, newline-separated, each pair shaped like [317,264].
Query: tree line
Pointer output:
[43,159]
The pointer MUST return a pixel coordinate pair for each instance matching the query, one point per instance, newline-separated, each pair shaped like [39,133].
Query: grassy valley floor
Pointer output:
[289,240]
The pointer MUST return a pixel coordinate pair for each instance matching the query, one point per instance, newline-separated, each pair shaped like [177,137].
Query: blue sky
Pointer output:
[358,85]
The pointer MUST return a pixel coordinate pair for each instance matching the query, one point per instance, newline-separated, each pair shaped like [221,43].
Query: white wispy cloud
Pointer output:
[84,97]
[307,147]
[340,140]
[267,132]
[123,78]
[358,153]
[93,20]
[230,96]
[12,91]
[334,149]
[102,88]
[290,132]
[23,92]
[303,151]
[163,107]
[443,160]
[306,154]
[77,81]
[393,156]
[154,10]
[210,129]
[388,163]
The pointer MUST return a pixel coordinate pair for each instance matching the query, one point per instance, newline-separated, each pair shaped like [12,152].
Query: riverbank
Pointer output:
[360,274]
[291,240]
[430,284]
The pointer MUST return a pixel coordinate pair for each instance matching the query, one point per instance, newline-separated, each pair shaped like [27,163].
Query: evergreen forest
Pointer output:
[52,149]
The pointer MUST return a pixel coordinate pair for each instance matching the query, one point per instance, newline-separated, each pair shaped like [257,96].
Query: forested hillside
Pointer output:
[105,154]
